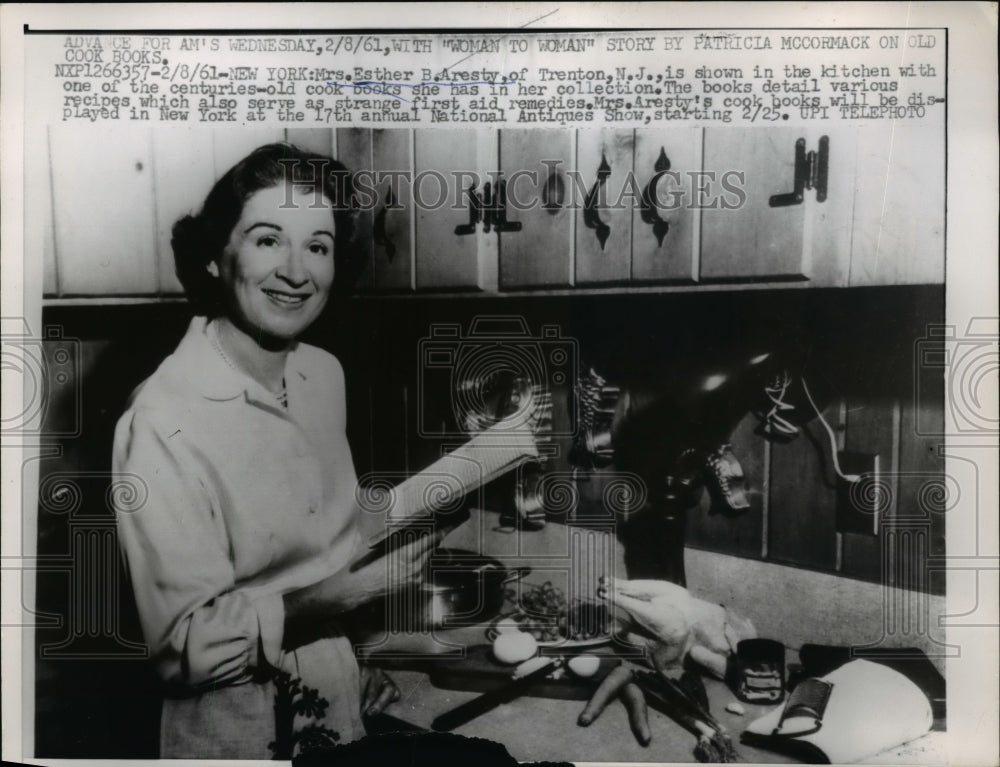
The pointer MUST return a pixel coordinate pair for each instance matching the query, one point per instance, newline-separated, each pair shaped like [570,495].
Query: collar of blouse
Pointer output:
[213,377]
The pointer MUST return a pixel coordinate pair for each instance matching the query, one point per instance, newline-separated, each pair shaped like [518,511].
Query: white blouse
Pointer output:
[245,501]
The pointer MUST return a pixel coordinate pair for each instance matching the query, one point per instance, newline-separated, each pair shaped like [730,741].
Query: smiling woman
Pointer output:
[239,558]
[276,273]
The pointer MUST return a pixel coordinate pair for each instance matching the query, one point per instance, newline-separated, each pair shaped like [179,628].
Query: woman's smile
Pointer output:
[287,300]
[277,269]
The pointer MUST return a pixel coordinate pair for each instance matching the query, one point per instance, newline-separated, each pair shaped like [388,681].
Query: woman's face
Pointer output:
[277,269]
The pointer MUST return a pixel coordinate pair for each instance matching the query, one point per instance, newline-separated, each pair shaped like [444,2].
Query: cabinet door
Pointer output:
[604,222]
[354,151]
[899,209]
[535,165]
[103,209]
[829,224]
[183,177]
[447,255]
[751,238]
[664,218]
[392,161]
[230,145]
[318,140]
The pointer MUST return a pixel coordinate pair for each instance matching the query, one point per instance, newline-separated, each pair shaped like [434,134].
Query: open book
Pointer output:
[442,485]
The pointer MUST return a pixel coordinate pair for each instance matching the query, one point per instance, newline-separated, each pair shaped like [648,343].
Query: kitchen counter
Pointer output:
[543,729]
[537,728]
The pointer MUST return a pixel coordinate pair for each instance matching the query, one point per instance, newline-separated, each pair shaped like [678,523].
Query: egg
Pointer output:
[584,665]
[507,626]
[514,647]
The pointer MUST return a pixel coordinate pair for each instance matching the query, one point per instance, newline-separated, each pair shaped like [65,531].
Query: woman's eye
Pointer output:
[319,248]
[267,241]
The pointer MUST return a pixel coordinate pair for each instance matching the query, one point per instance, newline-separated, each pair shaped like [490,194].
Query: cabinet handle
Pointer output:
[810,173]
[380,235]
[488,209]
[475,212]
[553,190]
[591,214]
[648,212]
[499,210]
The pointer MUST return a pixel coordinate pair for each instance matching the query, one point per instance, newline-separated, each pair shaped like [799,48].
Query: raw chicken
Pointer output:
[673,625]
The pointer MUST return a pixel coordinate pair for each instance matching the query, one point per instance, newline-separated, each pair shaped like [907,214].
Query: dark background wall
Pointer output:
[857,348]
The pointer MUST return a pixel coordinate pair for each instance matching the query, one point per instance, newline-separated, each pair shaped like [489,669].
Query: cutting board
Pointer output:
[480,672]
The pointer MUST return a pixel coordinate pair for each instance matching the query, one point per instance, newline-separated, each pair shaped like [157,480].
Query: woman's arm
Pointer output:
[308,609]
[201,629]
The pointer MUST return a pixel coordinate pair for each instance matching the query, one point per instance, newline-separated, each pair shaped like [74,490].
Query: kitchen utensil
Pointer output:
[478,671]
[460,588]
[488,701]
[463,588]
[760,671]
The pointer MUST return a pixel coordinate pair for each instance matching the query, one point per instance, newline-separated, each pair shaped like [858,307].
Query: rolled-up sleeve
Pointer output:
[201,629]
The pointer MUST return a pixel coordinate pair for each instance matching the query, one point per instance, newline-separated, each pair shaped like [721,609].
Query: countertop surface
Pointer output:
[545,729]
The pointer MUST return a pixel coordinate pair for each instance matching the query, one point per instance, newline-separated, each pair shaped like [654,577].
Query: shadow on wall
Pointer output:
[856,348]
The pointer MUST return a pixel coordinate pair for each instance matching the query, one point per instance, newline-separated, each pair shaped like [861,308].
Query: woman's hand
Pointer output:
[363,581]
[376,575]
[377,690]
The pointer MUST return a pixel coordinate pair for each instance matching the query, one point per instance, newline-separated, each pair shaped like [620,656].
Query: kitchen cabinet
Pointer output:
[760,237]
[535,166]
[447,240]
[103,242]
[392,221]
[182,181]
[483,210]
[231,145]
[318,140]
[898,215]
[604,221]
[665,218]
[802,525]
[120,246]
[356,144]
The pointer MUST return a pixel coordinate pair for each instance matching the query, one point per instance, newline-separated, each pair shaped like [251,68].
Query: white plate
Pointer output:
[508,623]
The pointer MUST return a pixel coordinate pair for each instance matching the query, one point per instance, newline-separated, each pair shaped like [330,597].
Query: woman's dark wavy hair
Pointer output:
[198,240]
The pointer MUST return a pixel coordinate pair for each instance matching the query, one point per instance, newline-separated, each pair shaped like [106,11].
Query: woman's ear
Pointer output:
[212,268]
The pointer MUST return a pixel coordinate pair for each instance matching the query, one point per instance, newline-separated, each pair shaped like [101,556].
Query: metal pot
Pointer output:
[463,588]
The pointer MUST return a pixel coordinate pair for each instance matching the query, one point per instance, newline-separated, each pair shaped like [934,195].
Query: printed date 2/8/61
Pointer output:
[373,44]
[191,72]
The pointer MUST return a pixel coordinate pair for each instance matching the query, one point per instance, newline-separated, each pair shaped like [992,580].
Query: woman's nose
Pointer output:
[293,268]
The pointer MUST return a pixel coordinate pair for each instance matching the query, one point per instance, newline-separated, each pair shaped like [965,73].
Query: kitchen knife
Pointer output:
[468,711]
